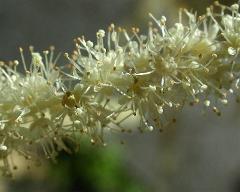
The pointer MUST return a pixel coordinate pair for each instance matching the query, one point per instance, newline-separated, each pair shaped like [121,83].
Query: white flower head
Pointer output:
[37,59]
[123,74]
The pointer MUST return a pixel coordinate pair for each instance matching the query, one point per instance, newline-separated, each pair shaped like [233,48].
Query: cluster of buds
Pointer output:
[125,74]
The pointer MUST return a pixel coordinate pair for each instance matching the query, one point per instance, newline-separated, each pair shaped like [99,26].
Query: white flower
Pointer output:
[37,59]
[132,73]
[3,147]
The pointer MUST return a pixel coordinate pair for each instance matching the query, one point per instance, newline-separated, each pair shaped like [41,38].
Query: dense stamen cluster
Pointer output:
[123,75]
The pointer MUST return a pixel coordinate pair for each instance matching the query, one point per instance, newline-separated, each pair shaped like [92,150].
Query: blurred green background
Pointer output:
[200,153]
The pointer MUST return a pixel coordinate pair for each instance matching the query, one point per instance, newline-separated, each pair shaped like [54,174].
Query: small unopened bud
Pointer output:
[3,147]
[163,20]
[204,87]
[37,59]
[207,103]
[235,7]
[101,33]
[224,101]
[90,44]
[152,88]
[160,109]
[232,51]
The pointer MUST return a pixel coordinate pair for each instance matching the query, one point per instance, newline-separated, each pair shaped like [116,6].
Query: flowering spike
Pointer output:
[101,86]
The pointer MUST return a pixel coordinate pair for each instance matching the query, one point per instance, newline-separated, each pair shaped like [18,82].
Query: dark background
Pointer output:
[42,23]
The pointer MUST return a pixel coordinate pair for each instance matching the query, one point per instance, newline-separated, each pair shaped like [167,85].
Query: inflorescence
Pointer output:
[124,74]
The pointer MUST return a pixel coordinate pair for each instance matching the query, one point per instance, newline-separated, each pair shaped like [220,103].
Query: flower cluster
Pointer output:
[124,74]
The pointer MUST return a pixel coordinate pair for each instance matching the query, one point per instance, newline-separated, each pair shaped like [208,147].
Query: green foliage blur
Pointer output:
[92,169]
